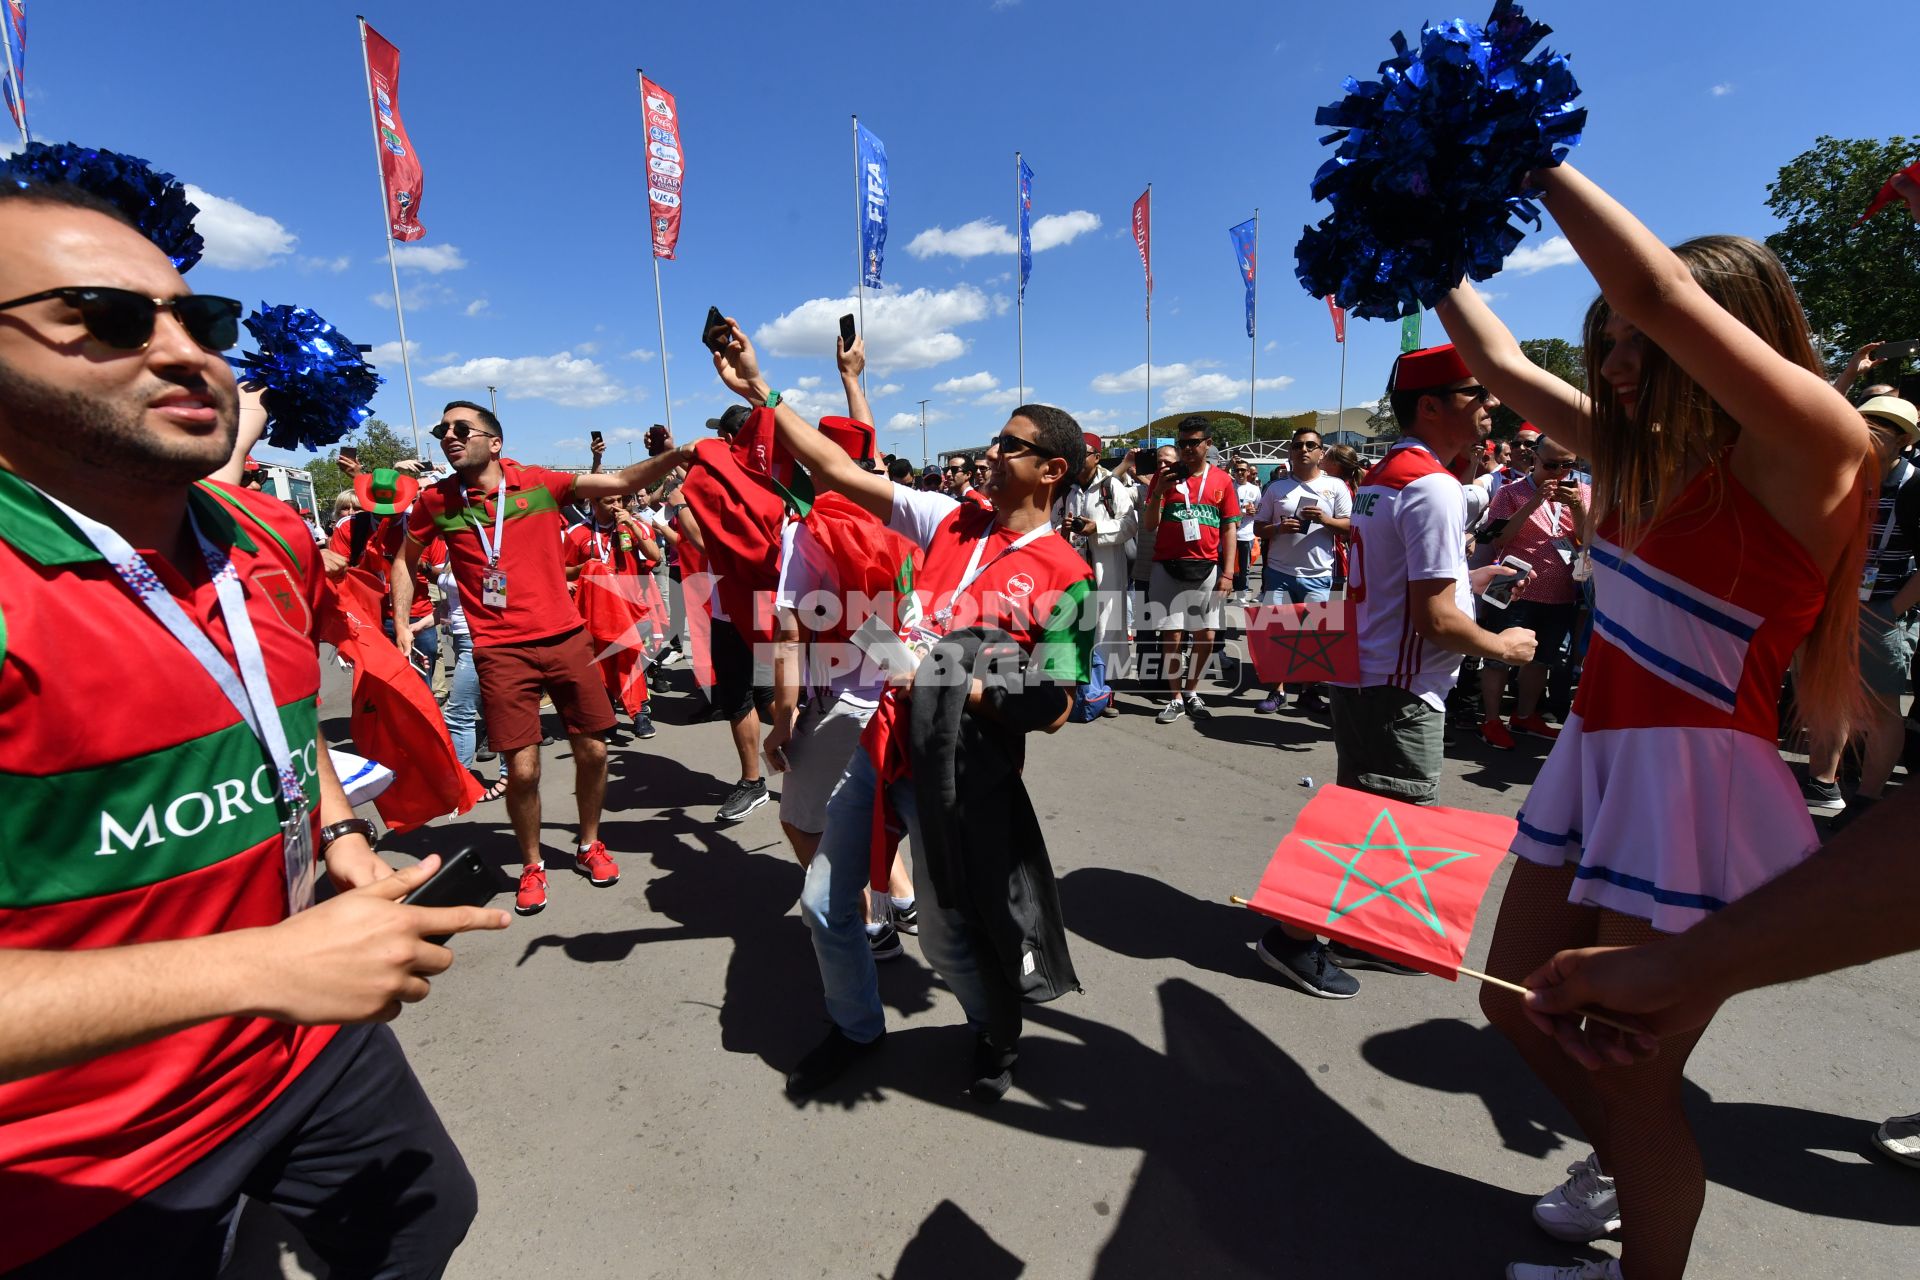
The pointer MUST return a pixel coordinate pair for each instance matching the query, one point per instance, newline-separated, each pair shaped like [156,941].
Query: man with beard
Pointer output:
[171,1033]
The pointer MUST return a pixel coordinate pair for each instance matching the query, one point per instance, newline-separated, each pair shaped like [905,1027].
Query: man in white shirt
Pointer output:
[1097,514]
[1298,516]
[1248,492]
[1413,611]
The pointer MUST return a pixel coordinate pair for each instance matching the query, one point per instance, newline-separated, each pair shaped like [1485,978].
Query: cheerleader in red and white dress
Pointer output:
[1732,490]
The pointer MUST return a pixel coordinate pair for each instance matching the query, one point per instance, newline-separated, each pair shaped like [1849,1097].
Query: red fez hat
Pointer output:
[1528,429]
[1091,440]
[855,437]
[1433,367]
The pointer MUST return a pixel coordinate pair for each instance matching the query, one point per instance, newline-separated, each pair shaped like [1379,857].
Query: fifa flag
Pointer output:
[1143,235]
[666,166]
[1244,248]
[1026,227]
[399,167]
[1403,881]
[13,33]
[1339,314]
[872,177]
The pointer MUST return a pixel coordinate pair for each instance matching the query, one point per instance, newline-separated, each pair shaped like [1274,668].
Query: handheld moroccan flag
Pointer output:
[1400,880]
[1303,643]
[1887,194]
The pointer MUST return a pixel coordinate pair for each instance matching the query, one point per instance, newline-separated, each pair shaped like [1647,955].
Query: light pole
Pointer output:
[491,404]
[924,456]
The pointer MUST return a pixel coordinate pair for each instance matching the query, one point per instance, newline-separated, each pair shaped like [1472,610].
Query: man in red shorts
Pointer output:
[502,526]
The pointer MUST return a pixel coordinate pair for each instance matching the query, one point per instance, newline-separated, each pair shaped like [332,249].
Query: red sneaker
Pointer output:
[1495,734]
[532,898]
[596,866]
[1535,726]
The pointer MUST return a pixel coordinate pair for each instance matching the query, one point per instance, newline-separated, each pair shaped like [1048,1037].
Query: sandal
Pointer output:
[494,792]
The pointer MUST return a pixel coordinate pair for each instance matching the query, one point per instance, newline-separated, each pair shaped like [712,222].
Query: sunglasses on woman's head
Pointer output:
[124,320]
[458,430]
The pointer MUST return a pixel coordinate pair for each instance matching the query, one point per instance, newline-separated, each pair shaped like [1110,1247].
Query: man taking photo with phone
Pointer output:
[1190,515]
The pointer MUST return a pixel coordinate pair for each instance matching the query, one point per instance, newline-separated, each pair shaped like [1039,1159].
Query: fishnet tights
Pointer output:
[1632,1115]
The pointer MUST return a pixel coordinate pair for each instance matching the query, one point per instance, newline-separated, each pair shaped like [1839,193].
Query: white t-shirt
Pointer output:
[1308,554]
[804,570]
[1408,523]
[1249,495]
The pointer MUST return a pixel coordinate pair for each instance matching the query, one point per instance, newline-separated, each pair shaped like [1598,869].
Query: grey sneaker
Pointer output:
[885,943]
[743,800]
[1899,1139]
[1307,966]
[1582,1208]
[1175,708]
[1823,797]
[1196,709]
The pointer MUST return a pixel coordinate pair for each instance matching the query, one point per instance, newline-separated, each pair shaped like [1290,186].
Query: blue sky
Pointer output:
[534,272]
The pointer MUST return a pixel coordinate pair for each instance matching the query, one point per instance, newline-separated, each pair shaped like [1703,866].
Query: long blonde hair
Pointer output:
[1642,460]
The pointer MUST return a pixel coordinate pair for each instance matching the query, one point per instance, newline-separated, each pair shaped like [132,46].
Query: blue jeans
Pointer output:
[426,641]
[462,707]
[1280,587]
[830,904]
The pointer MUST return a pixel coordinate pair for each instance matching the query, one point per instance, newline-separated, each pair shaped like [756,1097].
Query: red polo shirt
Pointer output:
[1211,500]
[538,605]
[617,546]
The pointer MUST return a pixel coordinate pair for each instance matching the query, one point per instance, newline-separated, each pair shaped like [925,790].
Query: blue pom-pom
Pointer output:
[155,201]
[316,388]
[1431,164]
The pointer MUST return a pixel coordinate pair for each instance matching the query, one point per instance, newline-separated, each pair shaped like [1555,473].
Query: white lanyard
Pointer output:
[1187,486]
[250,692]
[492,549]
[975,568]
[599,541]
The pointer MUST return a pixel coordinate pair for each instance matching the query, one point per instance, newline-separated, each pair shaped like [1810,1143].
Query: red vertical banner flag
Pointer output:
[399,167]
[1143,235]
[1339,315]
[666,167]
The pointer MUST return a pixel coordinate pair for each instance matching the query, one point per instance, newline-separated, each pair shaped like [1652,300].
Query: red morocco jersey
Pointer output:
[140,810]
[1209,498]
[538,604]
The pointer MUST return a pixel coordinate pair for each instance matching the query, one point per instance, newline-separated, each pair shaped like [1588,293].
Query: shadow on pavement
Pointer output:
[1773,1153]
[952,1246]
[1147,919]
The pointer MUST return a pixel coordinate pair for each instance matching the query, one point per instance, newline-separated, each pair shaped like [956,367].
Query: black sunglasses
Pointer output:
[1014,446]
[1557,466]
[1308,445]
[1475,395]
[458,430]
[1199,442]
[958,471]
[124,320]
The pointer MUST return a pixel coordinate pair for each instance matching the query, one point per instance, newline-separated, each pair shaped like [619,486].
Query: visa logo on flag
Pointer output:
[666,167]
[873,205]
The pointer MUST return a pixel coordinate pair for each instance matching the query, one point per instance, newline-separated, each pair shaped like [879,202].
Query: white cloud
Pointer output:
[904,421]
[1273,344]
[885,389]
[563,379]
[1722,90]
[430,258]
[1007,398]
[1554,251]
[587,348]
[418,296]
[478,306]
[809,383]
[1135,379]
[387,354]
[1214,391]
[1094,419]
[982,381]
[983,236]
[904,330]
[641,353]
[238,239]
[333,265]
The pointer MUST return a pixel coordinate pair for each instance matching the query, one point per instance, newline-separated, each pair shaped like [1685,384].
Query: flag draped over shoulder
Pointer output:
[613,606]
[875,565]
[741,519]
[400,170]
[394,718]
[1400,880]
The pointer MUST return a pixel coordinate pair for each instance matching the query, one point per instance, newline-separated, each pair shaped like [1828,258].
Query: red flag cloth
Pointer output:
[394,718]
[666,166]
[613,606]
[695,587]
[400,170]
[1887,194]
[1403,881]
[1303,643]
[741,520]
[1143,234]
[875,565]
[1339,319]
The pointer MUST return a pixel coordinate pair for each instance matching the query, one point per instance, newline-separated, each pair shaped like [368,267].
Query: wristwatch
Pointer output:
[349,827]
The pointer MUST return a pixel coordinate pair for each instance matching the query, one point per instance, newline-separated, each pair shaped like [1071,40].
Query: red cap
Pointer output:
[1091,440]
[1433,367]
[1528,429]
[855,437]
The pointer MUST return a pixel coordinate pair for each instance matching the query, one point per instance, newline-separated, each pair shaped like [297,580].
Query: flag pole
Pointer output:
[1253,335]
[653,255]
[13,75]
[1340,415]
[1019,286]
[859,263]
[1146,433]
[386,223]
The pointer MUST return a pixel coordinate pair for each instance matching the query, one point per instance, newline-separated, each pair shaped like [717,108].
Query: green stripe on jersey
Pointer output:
[148,818]
[1064,650]
[520,502]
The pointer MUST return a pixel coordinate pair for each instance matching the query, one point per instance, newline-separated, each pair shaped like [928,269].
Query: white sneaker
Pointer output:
[1899,1139]
[1582,1208]
[1608,1269]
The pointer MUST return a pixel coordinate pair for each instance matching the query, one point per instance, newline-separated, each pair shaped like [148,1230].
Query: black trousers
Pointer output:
[351,1154]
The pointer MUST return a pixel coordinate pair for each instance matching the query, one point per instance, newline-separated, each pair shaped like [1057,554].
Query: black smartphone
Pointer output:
[462,881]
[350,452]
[656,440]
[847,334]
[715,334]
[596,436]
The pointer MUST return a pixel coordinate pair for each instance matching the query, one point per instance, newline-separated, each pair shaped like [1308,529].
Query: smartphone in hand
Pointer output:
[656,440]
[847,334]
[597,438]
[1499,592]
[463,880]
[715,333]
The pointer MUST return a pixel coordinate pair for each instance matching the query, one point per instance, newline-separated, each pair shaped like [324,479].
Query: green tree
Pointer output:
[1858,284]
[379,447]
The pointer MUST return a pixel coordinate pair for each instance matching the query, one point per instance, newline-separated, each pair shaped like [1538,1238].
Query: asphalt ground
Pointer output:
[612,1068]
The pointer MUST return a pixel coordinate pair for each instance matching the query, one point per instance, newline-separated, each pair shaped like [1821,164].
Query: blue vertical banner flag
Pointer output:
[1243,249]
[1026,226]
[14,32]
[873,206]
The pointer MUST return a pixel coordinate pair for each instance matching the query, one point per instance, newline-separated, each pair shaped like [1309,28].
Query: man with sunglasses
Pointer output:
[172,1028]
[502,526]
[1413,612]
[1189,509]
[957,476]
[992,561]
[1299,515]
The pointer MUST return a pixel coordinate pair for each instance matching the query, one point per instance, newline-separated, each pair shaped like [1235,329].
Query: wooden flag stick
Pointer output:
[1502,983]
